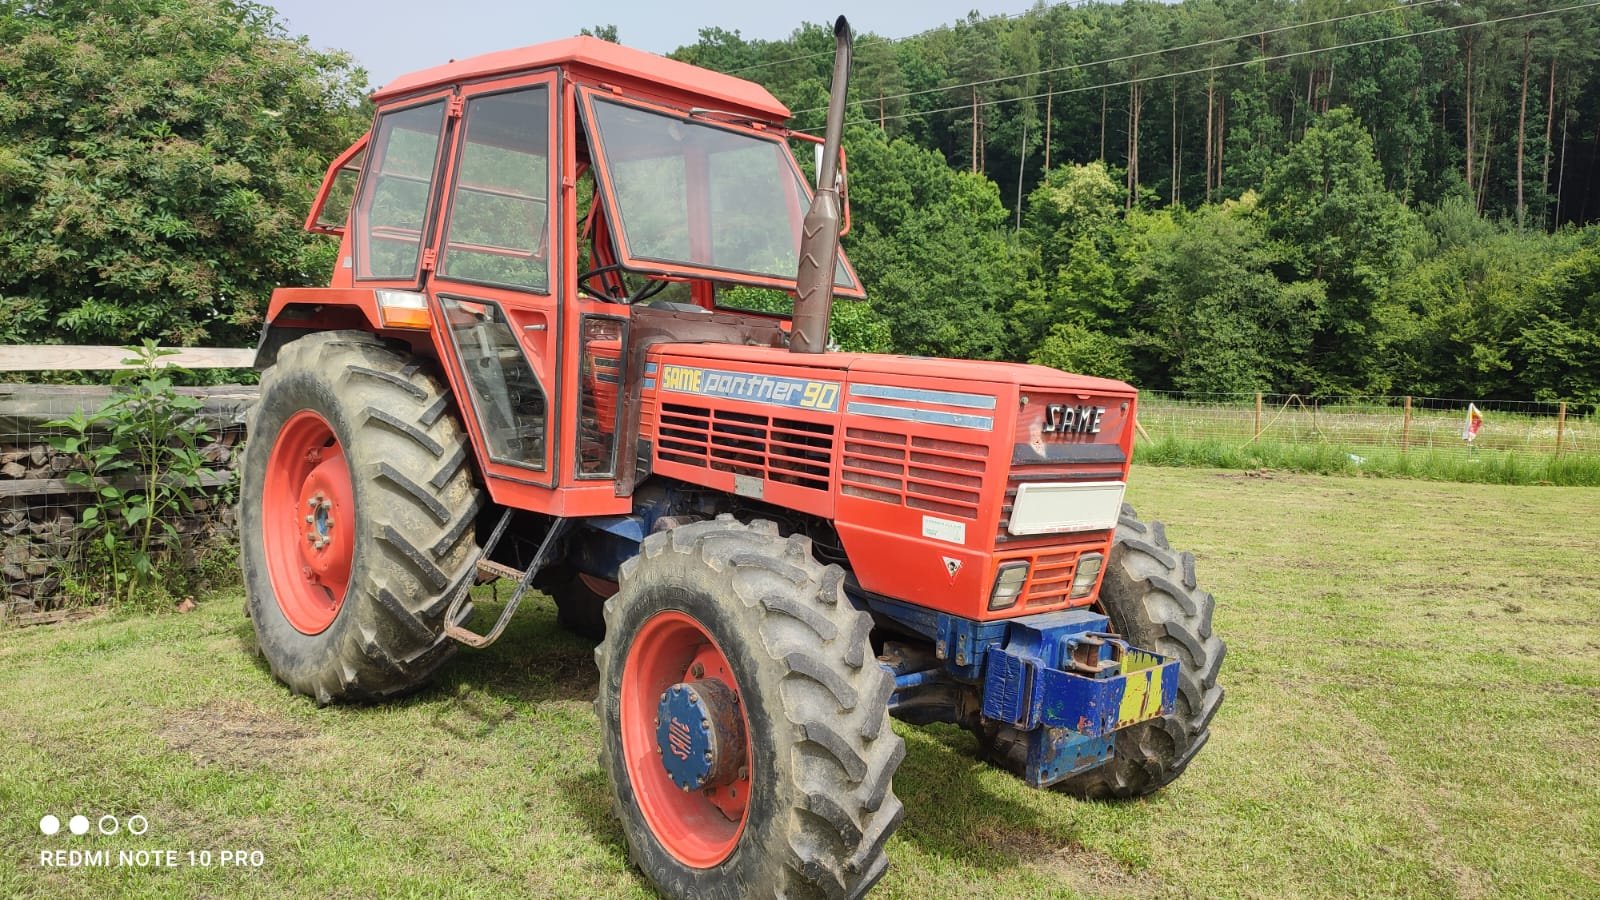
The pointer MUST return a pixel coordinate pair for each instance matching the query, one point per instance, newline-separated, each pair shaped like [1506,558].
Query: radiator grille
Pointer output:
[770,448]
[930,474]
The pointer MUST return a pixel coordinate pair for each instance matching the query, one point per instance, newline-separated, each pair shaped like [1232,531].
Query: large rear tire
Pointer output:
[1150,594]
[810,804]
[580,601]
[356,518]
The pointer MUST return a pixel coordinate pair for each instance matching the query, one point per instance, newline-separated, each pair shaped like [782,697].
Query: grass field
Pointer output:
[1413,709]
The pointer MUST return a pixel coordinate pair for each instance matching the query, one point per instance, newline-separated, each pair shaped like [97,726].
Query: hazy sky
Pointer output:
[397,36]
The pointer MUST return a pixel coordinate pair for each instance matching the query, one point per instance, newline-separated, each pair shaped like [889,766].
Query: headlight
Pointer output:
[1088,571]
[1008,584]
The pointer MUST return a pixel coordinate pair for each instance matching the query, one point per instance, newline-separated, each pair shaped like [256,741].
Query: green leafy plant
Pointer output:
[139,454]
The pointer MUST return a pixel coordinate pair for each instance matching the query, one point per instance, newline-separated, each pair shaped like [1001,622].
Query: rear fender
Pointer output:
[295,312]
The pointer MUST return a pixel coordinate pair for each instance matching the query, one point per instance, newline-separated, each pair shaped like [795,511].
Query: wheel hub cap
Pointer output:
[700,734]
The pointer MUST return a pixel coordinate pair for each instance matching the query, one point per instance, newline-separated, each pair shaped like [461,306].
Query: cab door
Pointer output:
[494,279]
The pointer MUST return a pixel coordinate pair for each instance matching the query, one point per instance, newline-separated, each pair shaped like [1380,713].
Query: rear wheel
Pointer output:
[357,511]
[745,724]
[1150,595]
[580,601]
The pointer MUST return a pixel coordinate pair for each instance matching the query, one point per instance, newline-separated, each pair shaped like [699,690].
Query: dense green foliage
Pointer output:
[1237,214]
[157,158]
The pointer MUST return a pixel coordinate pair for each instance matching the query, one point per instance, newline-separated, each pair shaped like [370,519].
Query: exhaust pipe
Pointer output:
[819,242]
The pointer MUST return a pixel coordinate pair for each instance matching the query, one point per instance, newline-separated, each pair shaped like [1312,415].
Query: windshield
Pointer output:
[693,194]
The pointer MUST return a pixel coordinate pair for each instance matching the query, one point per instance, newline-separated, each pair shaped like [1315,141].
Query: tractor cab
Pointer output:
[540,200]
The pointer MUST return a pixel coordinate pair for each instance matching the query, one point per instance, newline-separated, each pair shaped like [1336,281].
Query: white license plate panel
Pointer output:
[1059,508]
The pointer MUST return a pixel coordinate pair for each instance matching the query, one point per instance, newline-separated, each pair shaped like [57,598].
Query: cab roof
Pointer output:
[601,58]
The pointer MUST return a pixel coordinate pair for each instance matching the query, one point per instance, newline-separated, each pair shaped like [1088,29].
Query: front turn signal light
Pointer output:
[404,309]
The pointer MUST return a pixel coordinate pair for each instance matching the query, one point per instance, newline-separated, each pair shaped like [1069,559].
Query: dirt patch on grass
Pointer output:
[1087,871]
[234,733]
[1093,873]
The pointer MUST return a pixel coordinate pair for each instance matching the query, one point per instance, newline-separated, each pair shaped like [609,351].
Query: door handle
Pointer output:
[538,326]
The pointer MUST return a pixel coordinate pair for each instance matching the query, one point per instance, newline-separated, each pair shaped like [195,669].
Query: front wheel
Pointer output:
[745,723]
[1152,599]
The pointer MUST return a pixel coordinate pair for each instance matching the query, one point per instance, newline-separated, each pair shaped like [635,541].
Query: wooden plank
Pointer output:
[33,487]
[65,357]
[54,616]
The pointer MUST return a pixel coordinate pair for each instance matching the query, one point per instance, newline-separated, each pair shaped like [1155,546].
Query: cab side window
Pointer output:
[393,209]
[499,225]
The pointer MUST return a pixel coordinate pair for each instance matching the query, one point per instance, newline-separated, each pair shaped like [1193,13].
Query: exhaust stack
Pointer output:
[819,242]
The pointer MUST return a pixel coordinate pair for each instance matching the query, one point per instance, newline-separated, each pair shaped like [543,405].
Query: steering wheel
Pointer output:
[649,289]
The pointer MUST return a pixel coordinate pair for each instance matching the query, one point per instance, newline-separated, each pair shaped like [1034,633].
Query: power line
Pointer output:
[1070,4]
[1117,59]
[1232,65]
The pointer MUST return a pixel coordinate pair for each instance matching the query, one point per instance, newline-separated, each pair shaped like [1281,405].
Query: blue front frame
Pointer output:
[1023,669]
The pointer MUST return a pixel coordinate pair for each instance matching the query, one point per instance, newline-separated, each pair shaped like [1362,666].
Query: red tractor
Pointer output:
[538,359]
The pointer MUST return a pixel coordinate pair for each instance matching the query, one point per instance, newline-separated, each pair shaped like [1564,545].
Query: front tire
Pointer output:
[810,804]
[356,518]
[1150,594]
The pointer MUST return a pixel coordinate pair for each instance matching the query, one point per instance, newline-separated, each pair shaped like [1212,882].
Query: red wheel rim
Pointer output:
[308,522]
[699,828]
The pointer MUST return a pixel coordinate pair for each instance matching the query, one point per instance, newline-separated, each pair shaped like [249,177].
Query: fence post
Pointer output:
[1561,424]
[1405,430]
[1258,417]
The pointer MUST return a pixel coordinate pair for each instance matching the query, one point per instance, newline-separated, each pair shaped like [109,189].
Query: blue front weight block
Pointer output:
[1069,685]
[1063,675]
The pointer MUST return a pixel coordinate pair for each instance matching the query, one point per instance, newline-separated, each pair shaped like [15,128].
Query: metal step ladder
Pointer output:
[487,566]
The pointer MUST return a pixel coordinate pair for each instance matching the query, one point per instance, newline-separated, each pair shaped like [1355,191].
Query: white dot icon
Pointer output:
[78,824]
[49,824]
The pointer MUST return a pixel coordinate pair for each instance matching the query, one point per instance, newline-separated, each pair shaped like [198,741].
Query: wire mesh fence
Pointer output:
[45,556]
[1398,423]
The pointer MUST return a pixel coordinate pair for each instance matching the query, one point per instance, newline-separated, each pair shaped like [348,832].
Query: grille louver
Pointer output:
[766,447]
[930,474]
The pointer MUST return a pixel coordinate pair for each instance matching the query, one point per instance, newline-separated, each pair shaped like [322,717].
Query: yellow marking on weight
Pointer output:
[1141,697]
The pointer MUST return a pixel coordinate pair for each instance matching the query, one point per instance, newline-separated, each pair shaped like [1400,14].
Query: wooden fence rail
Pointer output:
[68,358]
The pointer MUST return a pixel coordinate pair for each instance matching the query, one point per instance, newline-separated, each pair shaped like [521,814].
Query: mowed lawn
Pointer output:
[1413,709]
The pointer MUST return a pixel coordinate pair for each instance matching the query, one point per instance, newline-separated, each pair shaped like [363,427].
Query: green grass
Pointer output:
[1413,696]
[1322,458]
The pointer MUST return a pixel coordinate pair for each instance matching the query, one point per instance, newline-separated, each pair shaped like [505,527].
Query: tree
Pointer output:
[933,249]
[1559,342]
[1072,347]
[1209,312]
[1326,203]
[1072,220]
[158,159]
